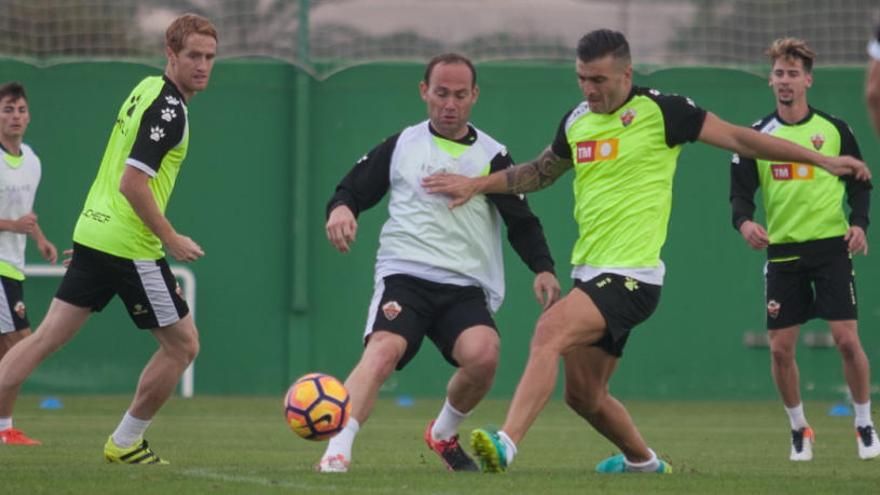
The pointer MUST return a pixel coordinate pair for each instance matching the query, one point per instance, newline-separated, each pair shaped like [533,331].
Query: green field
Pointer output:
[241,445]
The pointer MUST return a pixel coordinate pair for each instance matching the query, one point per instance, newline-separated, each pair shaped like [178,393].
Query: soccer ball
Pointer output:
[317,406]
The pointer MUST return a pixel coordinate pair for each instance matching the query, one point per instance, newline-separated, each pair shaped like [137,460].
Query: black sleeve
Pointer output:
[743,184]
[682,118]
[524,231]
[368,180]
[161,129]
[560,143]
[858,193]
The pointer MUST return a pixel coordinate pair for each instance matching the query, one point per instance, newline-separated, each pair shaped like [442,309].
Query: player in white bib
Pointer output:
[19,178]
[439,273]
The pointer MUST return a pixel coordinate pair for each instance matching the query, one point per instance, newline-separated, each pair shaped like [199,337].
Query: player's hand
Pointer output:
[184,249]
[847,165]
[754,234]
[547,290]
[47,251]
[856,240]
[25,224]
[68,255]
[341,228]
[458,187]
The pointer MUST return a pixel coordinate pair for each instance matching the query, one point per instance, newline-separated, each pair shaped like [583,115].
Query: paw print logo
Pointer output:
[157,133]
[168,114]
[172,100]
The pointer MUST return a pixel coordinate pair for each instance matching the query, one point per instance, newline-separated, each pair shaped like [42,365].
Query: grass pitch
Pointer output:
[220,445]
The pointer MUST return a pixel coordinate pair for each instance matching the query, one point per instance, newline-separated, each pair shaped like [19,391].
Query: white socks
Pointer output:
[130,430]
[510,447]
[863,414]
[447,422]
[6,423]
[648,466]
[342,442]
[798,419]
[796,416]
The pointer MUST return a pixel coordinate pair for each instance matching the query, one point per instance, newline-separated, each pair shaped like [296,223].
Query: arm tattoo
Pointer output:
[538,173]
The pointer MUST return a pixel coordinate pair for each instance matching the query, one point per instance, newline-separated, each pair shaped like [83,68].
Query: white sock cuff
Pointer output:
[643,464]
[448,405]
[129,430]
[796,416]
[140,423]
[507,443]
[6,423]
[352,425]
[862,414]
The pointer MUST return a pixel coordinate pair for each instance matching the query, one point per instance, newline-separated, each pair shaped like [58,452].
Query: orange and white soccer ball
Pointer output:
[317,406]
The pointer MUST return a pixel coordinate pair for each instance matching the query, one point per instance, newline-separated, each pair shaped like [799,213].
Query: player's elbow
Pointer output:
[126,188]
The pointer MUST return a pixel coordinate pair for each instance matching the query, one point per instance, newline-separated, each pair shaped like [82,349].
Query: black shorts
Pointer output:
[147,287]
[13,313]
[812,286]
[624,303]
[414,308]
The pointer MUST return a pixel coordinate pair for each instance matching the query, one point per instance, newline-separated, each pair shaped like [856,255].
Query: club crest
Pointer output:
[391,309]
[627,117]
[20,309]
[818,140]
[773,308]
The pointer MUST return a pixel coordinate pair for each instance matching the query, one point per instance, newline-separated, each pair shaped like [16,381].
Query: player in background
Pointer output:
[439,273]
[20,173]
[872,84]
[119,239]
[623,143]
[809,241]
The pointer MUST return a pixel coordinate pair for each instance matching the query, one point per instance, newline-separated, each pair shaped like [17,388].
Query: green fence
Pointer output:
[274,300]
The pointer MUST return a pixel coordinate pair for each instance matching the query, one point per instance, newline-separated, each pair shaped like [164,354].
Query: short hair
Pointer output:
[14,90]
[185,25]
[601,42]
[450,58]
[791,49]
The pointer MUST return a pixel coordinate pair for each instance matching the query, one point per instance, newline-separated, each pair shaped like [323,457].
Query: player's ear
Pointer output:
[169,53]
[423,90]
[808,78]
[476,92]
[628,72]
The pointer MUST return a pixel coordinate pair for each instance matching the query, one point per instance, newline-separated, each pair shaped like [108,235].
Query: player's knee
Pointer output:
[42,344]
[186,349]
[379,364]
[192,349]
[548,335]
[478,352]
[849,347]
[381,356]
[483,364]
[584,403]
[782,355]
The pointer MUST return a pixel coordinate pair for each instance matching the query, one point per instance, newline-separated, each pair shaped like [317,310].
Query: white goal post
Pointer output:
[184,274]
